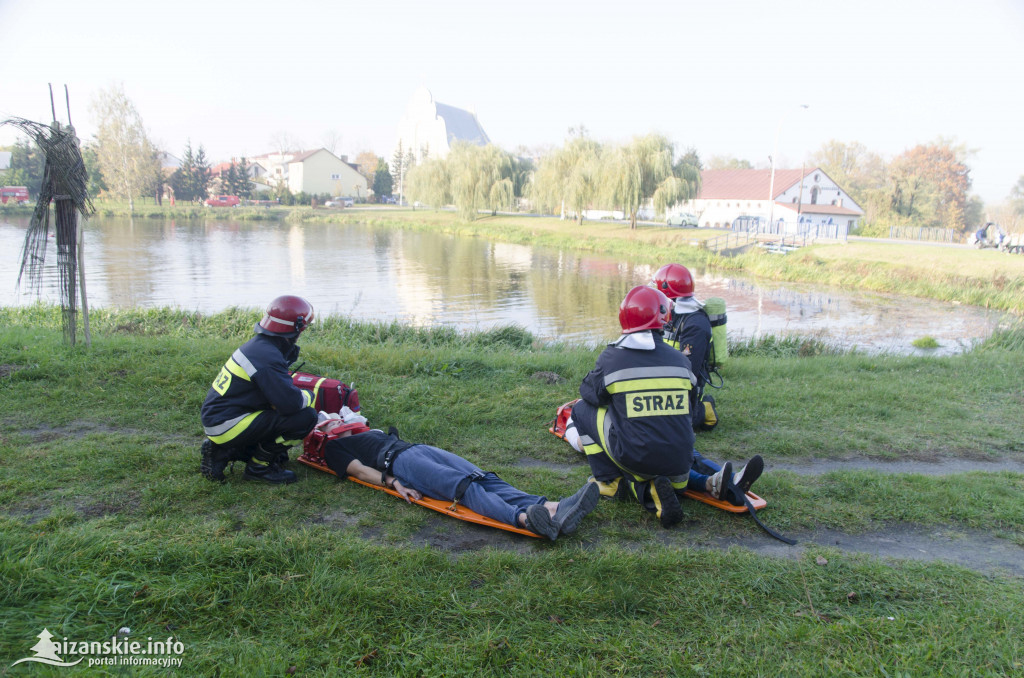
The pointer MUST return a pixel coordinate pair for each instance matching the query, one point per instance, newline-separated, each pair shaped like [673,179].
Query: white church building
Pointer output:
[429,128]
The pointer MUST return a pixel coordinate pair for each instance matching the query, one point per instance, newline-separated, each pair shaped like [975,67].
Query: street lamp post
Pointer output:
[775,153]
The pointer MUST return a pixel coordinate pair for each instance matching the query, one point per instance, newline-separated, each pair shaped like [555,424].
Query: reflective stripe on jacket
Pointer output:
[648,428]
[254,378]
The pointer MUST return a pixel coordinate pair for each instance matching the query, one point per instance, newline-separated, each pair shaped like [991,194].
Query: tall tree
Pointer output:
[430,183]
[398,168]
[683,185]
[852,166]
[928,184]
[27,162]
[125,153]
[90,157]
[367,163]
[569,178]
[723,162]
[182,182]
[636,171]
[1017,197]
[382,182]
[201,175]
[244,179]
[331,140]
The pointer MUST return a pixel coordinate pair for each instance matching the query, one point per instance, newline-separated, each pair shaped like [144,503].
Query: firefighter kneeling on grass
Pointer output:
[634,417]
[253,412]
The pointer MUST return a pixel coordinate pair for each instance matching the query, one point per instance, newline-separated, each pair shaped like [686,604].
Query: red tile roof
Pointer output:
[747,184]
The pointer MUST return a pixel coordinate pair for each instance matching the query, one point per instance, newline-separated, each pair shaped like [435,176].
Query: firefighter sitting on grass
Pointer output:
[689,330]
[633,418]
[253,412]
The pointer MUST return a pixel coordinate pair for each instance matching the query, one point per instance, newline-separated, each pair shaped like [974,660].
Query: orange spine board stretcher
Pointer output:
[450,509]
[556,430]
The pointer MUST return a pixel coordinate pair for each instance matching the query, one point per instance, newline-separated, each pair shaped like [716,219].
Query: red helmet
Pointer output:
[674,280]
[286,316]
[643,308]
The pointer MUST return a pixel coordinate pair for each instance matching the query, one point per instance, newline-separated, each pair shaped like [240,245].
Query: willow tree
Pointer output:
[471,177]
[569,177]
[430,183]
[633,173]
[683,185]
[126,155]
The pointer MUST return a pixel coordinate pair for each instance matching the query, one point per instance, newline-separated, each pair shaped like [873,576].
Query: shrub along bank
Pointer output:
[107,523]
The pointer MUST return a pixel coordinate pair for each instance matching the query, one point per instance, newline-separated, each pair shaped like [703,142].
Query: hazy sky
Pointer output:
[722,76]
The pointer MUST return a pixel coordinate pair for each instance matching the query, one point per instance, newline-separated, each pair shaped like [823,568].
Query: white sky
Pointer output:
[722,76]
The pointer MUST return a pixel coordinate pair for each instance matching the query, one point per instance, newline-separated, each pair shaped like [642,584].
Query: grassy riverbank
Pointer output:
[106,523]
[983,278]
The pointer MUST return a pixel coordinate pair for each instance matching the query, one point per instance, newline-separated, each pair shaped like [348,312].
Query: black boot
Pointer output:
[263,466]
[214,460]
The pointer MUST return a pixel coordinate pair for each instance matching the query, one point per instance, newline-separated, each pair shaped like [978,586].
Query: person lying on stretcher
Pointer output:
[415,470]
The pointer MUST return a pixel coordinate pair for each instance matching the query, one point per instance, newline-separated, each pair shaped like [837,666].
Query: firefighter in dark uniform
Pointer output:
[633,418]
[689,331]
[253,412]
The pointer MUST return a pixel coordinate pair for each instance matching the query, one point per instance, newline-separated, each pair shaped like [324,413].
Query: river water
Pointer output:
[428,279]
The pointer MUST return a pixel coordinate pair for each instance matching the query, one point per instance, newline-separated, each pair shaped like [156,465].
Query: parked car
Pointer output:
[339,202]
[222,201]
[19,194]
[682,219]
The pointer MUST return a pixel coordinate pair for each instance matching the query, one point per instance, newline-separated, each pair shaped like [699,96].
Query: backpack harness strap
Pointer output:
[394,446]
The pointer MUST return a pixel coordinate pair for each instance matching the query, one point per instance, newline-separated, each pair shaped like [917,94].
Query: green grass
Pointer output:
[925,342]
[106,523]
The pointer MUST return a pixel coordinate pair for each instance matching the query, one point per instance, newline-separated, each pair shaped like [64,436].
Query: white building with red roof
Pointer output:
[802,201]
[317,171]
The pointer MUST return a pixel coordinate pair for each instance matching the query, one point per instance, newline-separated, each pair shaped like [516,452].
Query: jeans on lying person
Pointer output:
[437,473]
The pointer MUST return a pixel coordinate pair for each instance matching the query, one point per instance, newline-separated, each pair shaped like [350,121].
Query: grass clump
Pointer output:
[925,342]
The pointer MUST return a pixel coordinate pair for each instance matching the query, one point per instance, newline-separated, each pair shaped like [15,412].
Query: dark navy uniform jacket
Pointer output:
[254,378]
[647,426]
[693,331]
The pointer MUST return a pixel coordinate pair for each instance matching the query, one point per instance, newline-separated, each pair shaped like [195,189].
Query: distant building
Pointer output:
[805,201]
[5,160]
[318,171]
[429,128]
[168,162]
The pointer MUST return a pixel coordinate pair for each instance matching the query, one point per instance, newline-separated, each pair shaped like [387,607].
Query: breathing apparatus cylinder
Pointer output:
[715,308]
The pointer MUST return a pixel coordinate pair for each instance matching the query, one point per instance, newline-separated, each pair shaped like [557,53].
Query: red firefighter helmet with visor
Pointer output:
[286,316]
[643,308]
[674,280]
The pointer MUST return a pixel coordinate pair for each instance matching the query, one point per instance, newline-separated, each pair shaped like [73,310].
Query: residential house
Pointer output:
[429,128]
[256,172]
[5,160]
[802,201]
[313,172]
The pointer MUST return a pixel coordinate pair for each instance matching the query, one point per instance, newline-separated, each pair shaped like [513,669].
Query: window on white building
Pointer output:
[335,177]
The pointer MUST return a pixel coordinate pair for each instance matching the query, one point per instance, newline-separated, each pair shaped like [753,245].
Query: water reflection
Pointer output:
[431,279]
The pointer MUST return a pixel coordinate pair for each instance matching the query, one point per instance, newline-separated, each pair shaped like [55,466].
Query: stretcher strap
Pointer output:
[753,514]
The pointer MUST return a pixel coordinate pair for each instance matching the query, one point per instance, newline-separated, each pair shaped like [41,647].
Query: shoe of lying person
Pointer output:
[539,520]
[572,510]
